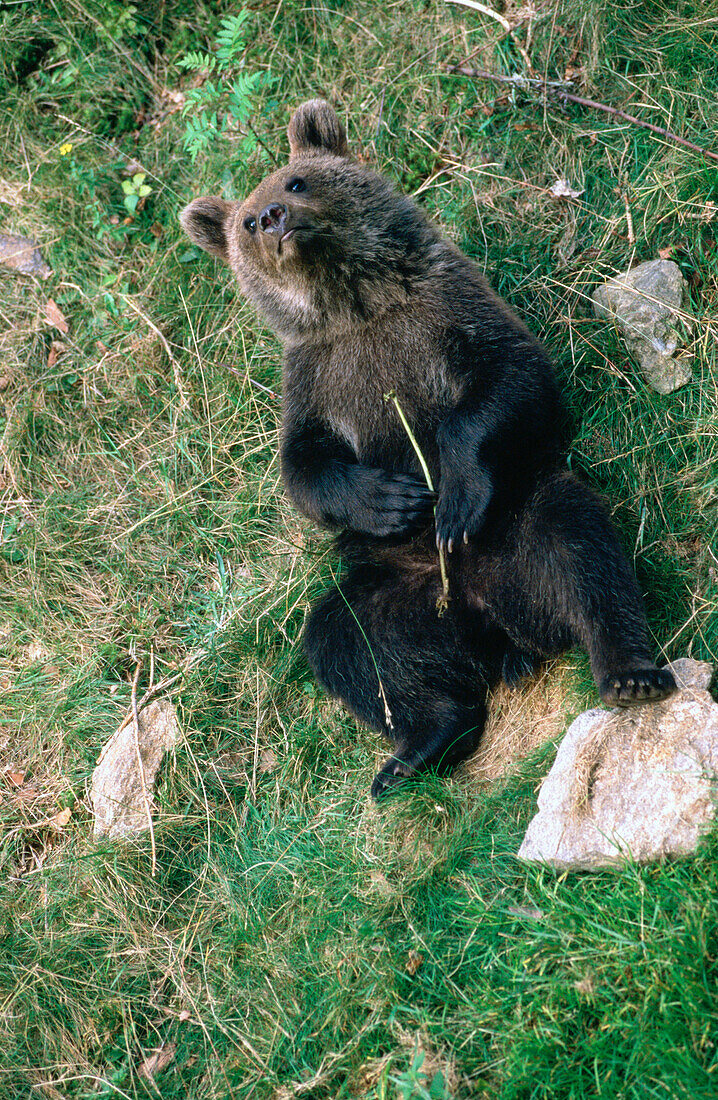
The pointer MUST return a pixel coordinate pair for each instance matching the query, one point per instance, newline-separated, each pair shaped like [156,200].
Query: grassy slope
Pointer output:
[297,941]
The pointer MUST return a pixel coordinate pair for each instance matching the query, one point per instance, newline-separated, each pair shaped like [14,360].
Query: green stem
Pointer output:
[443,600]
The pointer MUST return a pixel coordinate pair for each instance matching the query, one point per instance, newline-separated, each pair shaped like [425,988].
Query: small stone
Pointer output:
[648,304]
[639,784]
[22,255]
[116,789]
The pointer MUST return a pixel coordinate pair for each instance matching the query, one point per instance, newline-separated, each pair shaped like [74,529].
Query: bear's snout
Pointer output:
[273,218]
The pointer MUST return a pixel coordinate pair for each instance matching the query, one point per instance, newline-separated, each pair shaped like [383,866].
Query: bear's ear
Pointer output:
[315,128]
[205,222]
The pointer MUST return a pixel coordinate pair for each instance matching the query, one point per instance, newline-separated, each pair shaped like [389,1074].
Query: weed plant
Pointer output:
[297,941]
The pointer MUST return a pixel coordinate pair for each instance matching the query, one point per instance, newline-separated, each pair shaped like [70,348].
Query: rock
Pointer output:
[22,255]
[638,784]
[116,790]
[646,303]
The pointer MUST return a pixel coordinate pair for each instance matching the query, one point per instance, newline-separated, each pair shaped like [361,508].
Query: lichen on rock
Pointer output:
[638,784]
[648,305]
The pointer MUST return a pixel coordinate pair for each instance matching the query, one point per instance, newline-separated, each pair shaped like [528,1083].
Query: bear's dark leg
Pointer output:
[378,644]
[566,580]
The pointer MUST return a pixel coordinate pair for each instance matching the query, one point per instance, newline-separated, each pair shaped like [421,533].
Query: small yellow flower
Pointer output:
[66,148]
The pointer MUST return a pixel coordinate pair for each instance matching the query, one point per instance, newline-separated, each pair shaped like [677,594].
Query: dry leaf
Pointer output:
[667,252]
[413,962]
[62,819]
[55,316]
[158,1060]
[15,779]
[56,350]
[562,189]
[267,761]
[528,911]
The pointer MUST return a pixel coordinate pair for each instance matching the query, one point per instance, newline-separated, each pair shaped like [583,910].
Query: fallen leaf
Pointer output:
[562,189]
[56,350]
[575,73]
[62,819]
[528,911]
[267,761]
[413,962]
[158,1060]
[15,779]
[55,316]
[667,252]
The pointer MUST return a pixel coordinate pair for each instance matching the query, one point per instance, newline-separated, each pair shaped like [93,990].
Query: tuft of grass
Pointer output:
[298,941]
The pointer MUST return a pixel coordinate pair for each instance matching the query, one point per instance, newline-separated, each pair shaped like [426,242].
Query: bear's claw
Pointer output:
[636,686]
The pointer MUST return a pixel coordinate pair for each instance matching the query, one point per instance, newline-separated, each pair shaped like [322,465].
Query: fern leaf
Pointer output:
[231,38]
[197,61]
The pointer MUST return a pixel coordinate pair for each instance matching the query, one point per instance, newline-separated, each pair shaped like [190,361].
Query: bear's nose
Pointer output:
[273,217]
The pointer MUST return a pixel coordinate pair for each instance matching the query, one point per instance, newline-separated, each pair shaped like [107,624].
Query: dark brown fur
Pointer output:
[368,298]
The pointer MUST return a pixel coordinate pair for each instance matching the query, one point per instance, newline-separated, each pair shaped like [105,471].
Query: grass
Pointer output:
[297,941]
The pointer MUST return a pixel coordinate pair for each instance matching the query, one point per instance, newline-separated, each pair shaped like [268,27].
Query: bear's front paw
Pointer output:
[461,511]
[391,504]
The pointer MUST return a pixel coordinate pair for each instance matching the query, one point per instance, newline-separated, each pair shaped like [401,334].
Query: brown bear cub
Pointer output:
[369,298]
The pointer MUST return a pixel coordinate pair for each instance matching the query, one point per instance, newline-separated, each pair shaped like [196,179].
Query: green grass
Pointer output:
[297,941]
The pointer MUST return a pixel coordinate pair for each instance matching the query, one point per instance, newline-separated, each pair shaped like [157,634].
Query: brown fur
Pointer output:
[368,298]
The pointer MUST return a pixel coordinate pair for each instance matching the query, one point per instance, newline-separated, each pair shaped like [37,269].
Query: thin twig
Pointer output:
[443,600]
[382,694]
[484,11]
[252,381]
[558,88]
[499,19]
[163,685]
[140,767]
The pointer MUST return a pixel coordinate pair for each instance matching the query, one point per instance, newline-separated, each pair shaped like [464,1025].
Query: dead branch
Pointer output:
[558,89]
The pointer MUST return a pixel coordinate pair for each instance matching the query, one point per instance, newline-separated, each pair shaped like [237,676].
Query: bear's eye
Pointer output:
[296,184]
[250,224]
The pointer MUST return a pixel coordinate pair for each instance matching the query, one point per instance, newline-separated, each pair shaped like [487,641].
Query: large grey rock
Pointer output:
[116,790]
[638,784]
[648,305]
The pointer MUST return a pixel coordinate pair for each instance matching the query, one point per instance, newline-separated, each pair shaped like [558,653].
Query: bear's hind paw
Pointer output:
[394,774]
[641,685]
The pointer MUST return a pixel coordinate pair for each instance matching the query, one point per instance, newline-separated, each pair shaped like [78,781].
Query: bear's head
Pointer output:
[320,243]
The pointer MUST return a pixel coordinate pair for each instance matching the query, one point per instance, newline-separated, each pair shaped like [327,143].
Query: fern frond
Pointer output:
[197,61]
[241,97]
[231,38]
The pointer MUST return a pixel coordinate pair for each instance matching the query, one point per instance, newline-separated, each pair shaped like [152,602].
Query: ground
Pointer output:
[296,940]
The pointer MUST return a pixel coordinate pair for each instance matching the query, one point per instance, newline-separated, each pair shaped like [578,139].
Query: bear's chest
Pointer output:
[351,383]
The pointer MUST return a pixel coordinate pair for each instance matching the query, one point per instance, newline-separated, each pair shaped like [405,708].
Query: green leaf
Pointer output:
[437,1088]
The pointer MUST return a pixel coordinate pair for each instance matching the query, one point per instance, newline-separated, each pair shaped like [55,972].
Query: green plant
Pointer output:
[135,189]
[414,1083]
[224,103]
